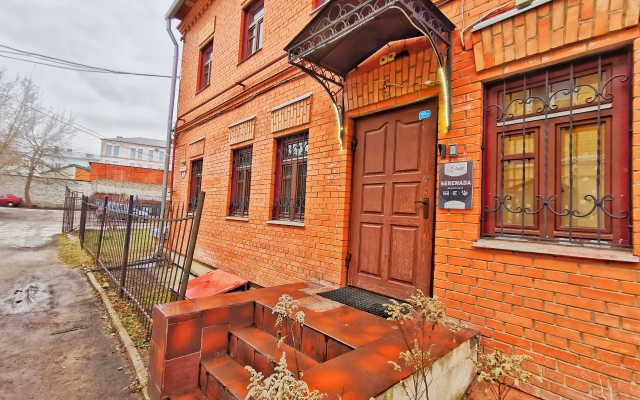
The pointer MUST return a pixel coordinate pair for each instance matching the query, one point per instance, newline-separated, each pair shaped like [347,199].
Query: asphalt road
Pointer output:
[55,339]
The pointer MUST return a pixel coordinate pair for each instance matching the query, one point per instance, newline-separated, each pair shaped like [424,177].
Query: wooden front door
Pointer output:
[391,241]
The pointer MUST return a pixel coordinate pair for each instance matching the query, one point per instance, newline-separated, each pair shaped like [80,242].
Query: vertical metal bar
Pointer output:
[599,144]
[101,235]
[192,246]
[72,212]
[570,153]
[504,116]
[546,149]
[83,220]
[524,138]
[127,240]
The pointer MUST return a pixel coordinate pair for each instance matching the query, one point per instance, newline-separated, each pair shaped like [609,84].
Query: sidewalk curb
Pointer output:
[136,360]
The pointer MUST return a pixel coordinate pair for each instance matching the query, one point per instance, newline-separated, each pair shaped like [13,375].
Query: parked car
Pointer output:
[120,211]
[10,200]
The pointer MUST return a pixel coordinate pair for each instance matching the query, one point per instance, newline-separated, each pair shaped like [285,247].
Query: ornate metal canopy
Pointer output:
[344,33]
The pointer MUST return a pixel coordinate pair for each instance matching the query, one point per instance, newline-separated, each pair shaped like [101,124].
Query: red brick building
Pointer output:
[533,114]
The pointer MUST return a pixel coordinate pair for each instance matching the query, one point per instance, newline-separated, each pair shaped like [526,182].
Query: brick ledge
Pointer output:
[593,253]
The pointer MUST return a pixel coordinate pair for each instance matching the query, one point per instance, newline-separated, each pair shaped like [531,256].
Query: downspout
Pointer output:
[167,152]
[172,97]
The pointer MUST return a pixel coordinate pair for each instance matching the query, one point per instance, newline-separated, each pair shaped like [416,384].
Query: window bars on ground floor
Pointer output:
[557,154]
[291,177]
[241,181]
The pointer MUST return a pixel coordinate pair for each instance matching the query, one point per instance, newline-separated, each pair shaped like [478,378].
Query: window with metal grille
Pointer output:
[206,58]
[291,177]
[557,155]
[241,181]
[254,16]
[196,183]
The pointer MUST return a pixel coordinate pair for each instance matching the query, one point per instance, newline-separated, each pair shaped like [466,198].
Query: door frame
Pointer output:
[351,123]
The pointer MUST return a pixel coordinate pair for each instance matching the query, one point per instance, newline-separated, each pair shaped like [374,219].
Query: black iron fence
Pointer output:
[71,215]
[147,258]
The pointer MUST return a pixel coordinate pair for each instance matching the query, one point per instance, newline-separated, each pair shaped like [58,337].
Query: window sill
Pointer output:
[234,218]
[249,56]
[566,250]
[202,89]
[286,223]
[508,14]
[315,10]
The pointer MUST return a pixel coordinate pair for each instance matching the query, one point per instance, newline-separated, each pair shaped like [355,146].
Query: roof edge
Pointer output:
[174,8]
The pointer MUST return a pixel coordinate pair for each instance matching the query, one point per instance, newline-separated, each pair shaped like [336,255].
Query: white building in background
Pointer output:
[133,152]
[62,159]
[68,156]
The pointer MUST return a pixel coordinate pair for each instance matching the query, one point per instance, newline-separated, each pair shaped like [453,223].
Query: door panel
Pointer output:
[391,242]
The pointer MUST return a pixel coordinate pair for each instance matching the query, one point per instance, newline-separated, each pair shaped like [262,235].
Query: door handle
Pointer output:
[425,203]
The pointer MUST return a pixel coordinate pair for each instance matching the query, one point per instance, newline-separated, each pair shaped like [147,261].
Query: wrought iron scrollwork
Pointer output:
[590,98]
[341,18]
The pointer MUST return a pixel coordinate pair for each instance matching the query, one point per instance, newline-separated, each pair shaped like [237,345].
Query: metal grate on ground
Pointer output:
[359,299]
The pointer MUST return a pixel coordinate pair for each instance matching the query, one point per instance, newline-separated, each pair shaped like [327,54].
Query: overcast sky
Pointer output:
[116,34]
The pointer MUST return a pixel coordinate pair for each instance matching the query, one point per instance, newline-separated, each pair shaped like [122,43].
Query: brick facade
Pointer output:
[578,317]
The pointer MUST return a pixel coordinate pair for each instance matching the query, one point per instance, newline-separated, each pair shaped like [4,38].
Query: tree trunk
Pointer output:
[27,185]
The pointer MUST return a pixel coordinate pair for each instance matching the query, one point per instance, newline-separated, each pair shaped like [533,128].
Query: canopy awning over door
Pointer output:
[344,33]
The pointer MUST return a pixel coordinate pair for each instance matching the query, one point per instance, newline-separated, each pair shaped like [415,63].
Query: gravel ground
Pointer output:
[56,340]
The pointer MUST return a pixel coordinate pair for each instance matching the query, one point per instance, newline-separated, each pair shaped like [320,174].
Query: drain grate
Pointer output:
[359,299]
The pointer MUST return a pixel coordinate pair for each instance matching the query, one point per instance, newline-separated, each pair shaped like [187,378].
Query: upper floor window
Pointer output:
[206,58]
[291,177]
[253,28]
[115,162]
[116,151]
[241,181]
[108,149]
[557,154]
[133,152]
[150,155]
[139,154]
[161,155]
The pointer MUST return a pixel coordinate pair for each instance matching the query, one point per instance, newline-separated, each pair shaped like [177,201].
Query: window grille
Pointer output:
[557,155]
[196,183]
[291,177]
[241,182]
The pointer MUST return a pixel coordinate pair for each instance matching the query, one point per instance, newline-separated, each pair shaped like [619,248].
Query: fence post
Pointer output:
[64,212]
[104,217]
[83,218]
[72,212]
[186,271]
[127,242]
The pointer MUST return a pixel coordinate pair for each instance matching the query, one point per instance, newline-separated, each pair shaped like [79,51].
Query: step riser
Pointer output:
[306,340]
[245,354]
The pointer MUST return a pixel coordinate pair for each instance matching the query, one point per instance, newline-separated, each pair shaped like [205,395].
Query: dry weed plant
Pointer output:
[502,372]
[282,384]
[423,315]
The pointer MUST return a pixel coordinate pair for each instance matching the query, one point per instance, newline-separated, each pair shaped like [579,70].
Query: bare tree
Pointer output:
[41,145]
[17,116]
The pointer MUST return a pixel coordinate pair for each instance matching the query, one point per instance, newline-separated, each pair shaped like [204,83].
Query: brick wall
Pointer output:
[578,318]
